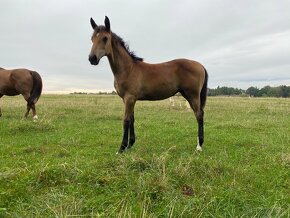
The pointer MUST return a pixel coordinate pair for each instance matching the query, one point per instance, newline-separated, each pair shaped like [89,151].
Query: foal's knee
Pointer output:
[126,123]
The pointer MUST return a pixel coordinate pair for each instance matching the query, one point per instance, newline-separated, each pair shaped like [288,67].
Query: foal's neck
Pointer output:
[120,60]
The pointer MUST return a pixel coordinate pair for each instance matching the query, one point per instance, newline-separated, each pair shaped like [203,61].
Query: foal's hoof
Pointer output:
[198,147]
[121,150]
[129,147]
[35,118]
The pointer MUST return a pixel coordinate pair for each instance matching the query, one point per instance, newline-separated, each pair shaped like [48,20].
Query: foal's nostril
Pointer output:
[93,59]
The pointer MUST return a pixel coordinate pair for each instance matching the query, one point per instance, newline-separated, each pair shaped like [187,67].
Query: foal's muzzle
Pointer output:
[93,59]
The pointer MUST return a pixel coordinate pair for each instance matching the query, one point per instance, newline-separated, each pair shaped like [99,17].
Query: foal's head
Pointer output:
[101,40]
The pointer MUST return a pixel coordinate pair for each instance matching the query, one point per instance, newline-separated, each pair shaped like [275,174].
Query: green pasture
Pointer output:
[65,164]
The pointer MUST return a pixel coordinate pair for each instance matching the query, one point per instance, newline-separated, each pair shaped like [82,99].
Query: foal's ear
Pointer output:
[107,24]
[93,24]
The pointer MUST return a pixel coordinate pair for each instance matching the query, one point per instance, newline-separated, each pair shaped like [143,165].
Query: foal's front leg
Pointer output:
[132,132]
[129,109]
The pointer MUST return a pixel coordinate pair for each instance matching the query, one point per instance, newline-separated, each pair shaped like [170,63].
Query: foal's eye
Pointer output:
[105,39]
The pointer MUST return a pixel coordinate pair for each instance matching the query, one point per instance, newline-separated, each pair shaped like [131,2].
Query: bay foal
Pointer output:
[137,80]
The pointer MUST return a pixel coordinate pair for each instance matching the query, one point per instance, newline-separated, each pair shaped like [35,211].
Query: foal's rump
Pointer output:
[191,74]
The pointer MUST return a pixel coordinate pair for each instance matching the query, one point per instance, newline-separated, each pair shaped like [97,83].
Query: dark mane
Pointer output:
[122,43]
[126,47]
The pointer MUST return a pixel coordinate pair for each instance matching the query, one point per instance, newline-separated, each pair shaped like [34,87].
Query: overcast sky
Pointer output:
[241,43]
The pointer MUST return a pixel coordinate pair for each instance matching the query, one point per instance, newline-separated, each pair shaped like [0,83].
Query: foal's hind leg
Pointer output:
[194,102]
[0,107]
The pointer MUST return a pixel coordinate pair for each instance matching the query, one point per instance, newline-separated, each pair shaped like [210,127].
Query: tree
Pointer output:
[284,91]
[253,91]
[266,91]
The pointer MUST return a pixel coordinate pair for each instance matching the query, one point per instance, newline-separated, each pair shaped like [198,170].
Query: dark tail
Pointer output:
[203,93]
[36,88]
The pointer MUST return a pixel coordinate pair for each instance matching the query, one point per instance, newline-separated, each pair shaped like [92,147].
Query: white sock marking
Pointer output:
[35,118]
[198,147]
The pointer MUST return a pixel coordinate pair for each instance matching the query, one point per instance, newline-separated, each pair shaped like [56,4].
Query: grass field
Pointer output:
[65,164]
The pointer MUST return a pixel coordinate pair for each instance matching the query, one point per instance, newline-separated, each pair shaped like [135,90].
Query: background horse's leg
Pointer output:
[30,105]
[0,107]
[26,97]
[194,102]
[27,112]
[129,110]
[35,117]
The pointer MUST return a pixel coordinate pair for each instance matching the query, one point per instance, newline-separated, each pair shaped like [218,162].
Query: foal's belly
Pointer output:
[157,94]
[154,97]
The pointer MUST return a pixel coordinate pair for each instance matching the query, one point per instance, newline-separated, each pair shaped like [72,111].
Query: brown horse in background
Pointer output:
[21,81]
[137,80]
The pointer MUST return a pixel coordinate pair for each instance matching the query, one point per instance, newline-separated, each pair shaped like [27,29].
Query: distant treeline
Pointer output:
[267,91]
[94,93]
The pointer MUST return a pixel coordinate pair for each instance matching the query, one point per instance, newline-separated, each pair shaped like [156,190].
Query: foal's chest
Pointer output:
[117,87]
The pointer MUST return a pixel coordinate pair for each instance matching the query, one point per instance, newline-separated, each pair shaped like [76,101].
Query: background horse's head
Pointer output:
[102,43]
